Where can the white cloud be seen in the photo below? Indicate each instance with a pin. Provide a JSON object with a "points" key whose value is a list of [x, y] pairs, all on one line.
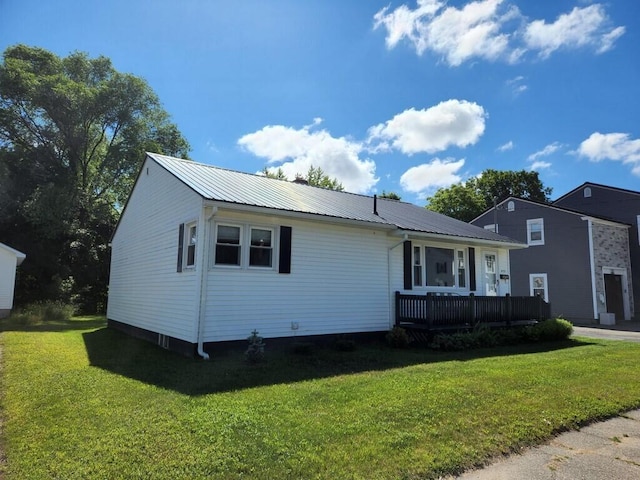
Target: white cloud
{"points": [[506, 147], [452, 123], [517, 86], [493, 30], [579, 28], [301, 148], [545, 152], [612, 146], [539, 165], [435, 174]]}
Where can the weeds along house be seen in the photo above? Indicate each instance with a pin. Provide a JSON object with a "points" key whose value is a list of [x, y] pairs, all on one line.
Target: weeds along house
{"points": [[203, 255]]}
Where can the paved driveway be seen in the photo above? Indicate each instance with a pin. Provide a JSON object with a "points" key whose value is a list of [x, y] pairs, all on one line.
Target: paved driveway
{"points": [[629, 332]]}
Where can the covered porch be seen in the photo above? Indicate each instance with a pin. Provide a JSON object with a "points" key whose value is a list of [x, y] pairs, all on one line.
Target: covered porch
{"points": [[438, 313]]}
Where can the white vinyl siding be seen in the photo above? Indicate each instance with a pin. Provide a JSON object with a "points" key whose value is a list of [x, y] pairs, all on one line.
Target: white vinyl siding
{"points": [[338, 284], [145, 289]]}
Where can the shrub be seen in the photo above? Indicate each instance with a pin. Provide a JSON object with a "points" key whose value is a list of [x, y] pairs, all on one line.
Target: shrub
{"points": [[255, 350], [42, 312], [344, 344], [398, 338], [550, 330]]}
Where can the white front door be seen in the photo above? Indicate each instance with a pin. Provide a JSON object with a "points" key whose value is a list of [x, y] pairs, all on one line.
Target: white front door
{"points": [[490, 273]]}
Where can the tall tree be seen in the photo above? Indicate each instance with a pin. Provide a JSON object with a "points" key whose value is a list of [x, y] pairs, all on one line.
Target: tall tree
{"points": [[315, 176], [467, 200], [73, 132]]}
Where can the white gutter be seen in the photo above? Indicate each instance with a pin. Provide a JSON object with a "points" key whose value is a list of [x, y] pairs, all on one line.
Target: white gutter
{"points": [[593, 267], [206, 214], [469, 241], [406, 237]]}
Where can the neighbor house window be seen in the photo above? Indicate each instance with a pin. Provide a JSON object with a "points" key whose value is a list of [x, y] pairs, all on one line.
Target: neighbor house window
{"points": [[587, 192], [417, 266], [228, 245], [535, 231], [192, 236], [638, 223], [511, 206], [538, 285], [261, 249], [492, 227]]}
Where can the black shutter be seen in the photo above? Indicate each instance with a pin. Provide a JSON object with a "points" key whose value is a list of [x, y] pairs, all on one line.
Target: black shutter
{"points": [[408, 276], [472, 269], [180, 246], [284, 265]]}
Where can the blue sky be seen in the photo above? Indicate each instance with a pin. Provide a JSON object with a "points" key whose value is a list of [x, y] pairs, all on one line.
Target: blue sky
{"points": [[403, 96]]}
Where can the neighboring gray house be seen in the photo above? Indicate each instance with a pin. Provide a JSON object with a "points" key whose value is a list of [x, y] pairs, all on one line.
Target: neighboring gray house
{"points": [[203, 254], [615, 204], [570, 260], [9, 261]]}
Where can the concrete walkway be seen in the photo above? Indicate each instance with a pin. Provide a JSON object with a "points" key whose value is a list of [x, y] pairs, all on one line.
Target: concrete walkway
{"points": [[608, 450]]}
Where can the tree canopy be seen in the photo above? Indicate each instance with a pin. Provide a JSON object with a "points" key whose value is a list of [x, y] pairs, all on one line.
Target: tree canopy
{"points": [[466, 200], [73, 132], [315, 176]]}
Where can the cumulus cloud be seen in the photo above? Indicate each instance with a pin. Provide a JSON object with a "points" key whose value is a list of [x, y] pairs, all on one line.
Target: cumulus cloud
{"points": [[435, 174], [452, 123], [612, 146], [579, 28], [297, 149], [493, 30]]}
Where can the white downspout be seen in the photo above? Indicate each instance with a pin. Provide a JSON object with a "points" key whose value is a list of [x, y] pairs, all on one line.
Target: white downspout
{"points": [[206, 214], [405, 238]]}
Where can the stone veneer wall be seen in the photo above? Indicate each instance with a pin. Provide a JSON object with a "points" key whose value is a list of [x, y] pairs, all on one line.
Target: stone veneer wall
{"points": [[611, 249]]}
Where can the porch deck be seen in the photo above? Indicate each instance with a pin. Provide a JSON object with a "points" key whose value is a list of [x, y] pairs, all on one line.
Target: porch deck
{"points": [[437, 313]]}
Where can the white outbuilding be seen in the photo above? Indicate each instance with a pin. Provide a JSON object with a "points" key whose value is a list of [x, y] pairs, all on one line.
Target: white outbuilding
{"points": [[9, 261]]}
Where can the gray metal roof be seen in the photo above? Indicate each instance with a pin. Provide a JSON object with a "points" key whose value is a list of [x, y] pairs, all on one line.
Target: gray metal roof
{"points": [[223, 185]]}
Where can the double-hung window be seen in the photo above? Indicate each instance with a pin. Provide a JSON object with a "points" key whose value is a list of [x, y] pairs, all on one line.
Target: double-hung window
{"points": [[261, 249], [228, 245], [417, 266], [192, 236], [535, 231]]}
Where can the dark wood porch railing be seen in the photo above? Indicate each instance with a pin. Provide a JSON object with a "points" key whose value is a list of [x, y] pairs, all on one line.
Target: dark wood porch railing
{"points": [[444, 312]]}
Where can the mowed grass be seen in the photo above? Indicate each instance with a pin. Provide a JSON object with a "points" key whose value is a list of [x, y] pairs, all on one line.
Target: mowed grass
{"points": [[80, 401]]}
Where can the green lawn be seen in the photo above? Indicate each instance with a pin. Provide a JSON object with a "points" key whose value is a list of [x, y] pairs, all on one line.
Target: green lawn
{"points": [[83, 402]]}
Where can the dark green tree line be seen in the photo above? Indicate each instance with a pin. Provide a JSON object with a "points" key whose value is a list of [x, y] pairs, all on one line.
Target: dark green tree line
{"points": [[73, 132], [466, 200]]}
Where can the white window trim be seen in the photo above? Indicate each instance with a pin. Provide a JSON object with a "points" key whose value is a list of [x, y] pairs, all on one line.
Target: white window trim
{"points": [[531, 222], [245, 246], [454, 267], [546, 285], [249, 229], [492, 227], [187, 243], [214, 244]]}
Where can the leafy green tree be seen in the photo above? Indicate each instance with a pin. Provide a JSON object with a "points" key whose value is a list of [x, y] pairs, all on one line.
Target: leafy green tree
{"points": [[315, 177], [466, 200], [390, 195], [73, 132]]}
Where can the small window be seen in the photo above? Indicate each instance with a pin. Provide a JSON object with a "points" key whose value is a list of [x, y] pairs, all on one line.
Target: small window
{"points": [[535, 231], [511, 206], [587, 192], [261, 249], [417, 266], [638, 223], [538, 285], [228, 247], [492, 227], [192, 236]]}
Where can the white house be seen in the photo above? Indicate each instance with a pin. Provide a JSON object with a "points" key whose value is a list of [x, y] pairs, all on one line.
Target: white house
{"points": [[9, 261], [203, 254]]}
